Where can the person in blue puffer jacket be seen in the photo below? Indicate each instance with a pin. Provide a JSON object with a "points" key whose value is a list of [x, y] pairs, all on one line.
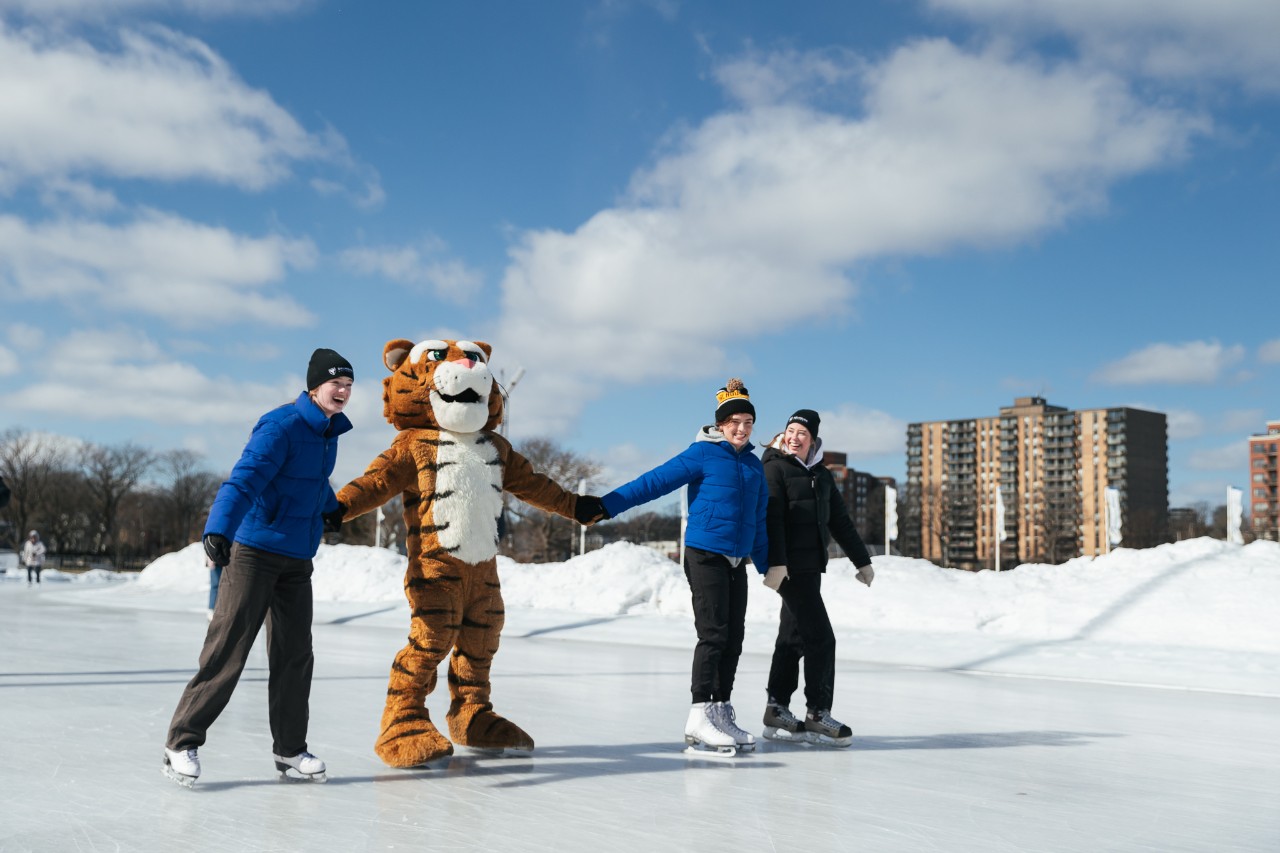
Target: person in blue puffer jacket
{"points": [[728, 505], [274, 507]]}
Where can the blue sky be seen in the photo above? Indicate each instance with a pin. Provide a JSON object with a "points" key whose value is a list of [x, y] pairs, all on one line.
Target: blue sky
{"points": [[886, 211]]}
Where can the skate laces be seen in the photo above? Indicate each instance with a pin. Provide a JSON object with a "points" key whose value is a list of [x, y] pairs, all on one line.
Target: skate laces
{"points": [[725, 717], [782, 714]]}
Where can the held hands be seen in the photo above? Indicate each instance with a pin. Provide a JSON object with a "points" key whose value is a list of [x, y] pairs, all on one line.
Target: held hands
{"points": [[589, 509], [866, 574], [775, 576], [333, 520], [217, 549]]}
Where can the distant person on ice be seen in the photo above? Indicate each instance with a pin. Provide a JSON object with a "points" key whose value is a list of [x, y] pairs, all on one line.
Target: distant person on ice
{"points": [[33, 556], [728, 501], [274, 507], [805, 512]]}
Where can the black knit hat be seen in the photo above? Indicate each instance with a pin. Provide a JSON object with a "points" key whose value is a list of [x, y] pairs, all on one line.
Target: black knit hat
{"points": [[325, 365], [733, 399], [808, 419]]}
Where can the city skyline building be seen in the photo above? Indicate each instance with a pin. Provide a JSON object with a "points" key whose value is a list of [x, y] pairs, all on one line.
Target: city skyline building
{"points": [[1050, 468], [1264, 507]]}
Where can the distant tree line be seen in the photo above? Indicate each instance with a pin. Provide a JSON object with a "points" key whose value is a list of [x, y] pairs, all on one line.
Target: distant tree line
{"points": [[124, 505]]}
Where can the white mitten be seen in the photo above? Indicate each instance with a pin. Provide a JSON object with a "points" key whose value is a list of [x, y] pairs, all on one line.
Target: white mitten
{"points": [[775, 576], [866, 574]]}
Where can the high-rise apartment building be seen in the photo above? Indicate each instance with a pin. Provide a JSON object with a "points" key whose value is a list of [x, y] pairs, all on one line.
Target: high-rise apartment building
{"points": [[1264, 506], [1050, 467]]}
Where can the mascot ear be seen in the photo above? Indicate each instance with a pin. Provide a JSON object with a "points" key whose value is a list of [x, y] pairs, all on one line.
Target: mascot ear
{"points": [[488, 350], [395, 352]]}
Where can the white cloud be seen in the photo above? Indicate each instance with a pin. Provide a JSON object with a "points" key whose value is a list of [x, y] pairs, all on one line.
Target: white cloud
{"points": [[25, 337], [98, 9], [1269, 353], [1171, 39], [862, 433], [161, 107], [108, 375], [1212, 492], [1193, 362], [1241, 421], [157, 265], [748, 222], [421, 265], [8, 361], [1184, 424], [1234, 456]]}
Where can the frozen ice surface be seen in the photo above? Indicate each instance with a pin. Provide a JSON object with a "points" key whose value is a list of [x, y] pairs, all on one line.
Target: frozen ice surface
{"points": [[1058, 747]]}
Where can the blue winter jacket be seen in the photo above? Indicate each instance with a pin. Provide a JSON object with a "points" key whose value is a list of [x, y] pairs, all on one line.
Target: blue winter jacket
{"points": [[728, 496], [276, 494]]}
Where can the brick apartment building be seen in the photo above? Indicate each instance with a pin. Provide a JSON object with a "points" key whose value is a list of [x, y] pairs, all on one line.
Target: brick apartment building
{"points": [[864, 495], [1264, 506], [1052, 466]]}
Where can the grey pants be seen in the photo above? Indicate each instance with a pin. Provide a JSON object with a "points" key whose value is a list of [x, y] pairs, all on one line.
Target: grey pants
{"points": [[257, 586]]}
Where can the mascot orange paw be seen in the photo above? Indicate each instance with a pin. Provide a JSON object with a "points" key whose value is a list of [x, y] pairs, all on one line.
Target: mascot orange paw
{"points": [[411, 742], [479, 727]]}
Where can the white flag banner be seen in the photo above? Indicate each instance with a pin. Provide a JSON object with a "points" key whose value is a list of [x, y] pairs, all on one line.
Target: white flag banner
{"points": [[1235, 513], [1113, 516], [890, 513], [1001, 533]]}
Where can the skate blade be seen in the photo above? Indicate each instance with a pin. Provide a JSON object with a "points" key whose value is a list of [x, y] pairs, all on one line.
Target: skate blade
{"points": [[784, 736], [181, 778], [697, 747], [292, 775], [827, 740]]}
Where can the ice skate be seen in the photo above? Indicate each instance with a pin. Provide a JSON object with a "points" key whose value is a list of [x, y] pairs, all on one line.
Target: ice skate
{"points": [[726, 720], [182, 766], [304, 764], [701, 735], [826, 730], [782, 725]]}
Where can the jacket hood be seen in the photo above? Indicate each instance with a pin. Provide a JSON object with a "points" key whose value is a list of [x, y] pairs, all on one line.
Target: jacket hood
{"points": [[713, 434], [780, 449]]}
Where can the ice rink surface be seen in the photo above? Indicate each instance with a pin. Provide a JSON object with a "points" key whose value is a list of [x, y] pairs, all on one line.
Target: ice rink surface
{"points": [[942, 760]]}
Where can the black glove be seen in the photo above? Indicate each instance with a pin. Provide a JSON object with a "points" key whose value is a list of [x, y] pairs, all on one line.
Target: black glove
{"points": [[217, 549], [333, 520], [590, 509]]}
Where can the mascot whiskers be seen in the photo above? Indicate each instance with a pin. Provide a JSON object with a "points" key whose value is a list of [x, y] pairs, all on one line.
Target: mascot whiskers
{"points": [[451, 469]]}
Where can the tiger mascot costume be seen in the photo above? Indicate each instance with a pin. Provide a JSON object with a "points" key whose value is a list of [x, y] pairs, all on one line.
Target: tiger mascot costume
{"points": [[451, 469]]}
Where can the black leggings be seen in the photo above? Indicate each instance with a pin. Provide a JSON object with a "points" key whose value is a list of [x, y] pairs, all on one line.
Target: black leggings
{"points": [[804, 631], [719, 616]]}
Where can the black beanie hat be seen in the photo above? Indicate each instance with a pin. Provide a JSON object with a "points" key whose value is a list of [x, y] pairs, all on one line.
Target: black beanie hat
{"points": [[808, 419], [325, 365], [733, 399]]}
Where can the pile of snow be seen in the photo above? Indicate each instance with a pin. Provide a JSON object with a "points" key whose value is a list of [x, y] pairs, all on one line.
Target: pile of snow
{"points": [[1199, 593]]}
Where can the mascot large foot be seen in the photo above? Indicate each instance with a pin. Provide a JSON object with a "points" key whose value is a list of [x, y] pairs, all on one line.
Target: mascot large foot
{"points": [[409, 739], [478, 727]]}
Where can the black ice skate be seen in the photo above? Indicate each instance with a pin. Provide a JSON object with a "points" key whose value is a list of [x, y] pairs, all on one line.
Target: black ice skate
{"points": [[782, 725], [824, 729]]}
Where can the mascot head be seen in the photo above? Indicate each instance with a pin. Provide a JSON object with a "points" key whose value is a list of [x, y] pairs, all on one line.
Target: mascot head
{"points": [[440, 384]]}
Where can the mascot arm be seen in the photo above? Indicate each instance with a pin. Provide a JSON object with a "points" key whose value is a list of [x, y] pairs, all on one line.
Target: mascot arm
{"points": [[393, 472], [538, 490]]}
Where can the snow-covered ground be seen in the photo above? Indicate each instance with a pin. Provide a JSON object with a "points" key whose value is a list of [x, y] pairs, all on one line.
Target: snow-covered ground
{"points": [[1135, 709], [1199, 614]]}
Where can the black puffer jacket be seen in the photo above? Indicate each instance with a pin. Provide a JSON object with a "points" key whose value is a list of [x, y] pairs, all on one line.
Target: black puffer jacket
{"points": [[805, 512]]}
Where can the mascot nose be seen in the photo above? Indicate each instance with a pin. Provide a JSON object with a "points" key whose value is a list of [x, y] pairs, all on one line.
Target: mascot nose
{"points": [[465, 362]]}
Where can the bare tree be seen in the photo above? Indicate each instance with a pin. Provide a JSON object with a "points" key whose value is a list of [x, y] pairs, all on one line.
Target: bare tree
{"points": [[111, 474], [27, 463], [185, 497], [534, 535]]}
